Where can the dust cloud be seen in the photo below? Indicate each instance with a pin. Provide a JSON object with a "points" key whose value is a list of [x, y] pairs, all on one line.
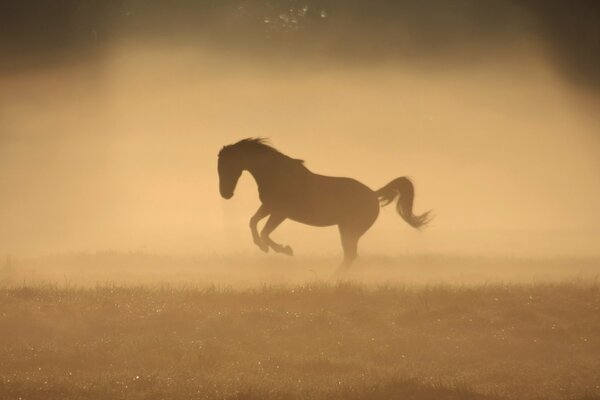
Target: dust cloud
{"points": [[113, 146]]}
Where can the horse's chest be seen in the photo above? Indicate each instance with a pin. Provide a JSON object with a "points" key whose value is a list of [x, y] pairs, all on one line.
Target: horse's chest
{"points": [[272, 195], [280, 197]]}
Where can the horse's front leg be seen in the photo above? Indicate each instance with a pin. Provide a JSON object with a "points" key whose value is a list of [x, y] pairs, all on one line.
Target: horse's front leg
{"points": [[260, 214], [273, 222]]}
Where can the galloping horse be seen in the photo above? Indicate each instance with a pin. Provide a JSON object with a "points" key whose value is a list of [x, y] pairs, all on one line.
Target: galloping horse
{"points": [[287, 189]]}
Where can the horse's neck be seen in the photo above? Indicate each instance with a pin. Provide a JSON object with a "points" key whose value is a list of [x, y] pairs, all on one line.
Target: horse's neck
{"points": [[266, 172], [262, 175]]}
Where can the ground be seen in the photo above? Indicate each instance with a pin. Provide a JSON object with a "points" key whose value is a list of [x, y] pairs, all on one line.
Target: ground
{"points": [[299, 340]]}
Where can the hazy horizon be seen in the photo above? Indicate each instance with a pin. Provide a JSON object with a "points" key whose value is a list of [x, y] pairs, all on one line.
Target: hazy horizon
{"points": [[110, 141]]}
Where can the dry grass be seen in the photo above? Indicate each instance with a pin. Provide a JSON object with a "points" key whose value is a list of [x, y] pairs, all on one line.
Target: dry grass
{"points": [[313, 340]]}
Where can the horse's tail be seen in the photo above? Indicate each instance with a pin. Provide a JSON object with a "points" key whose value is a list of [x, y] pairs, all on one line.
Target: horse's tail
{"points": [[403, 189]]}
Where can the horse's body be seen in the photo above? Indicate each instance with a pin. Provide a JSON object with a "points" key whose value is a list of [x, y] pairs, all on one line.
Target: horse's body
{"points": [[287, 189]]}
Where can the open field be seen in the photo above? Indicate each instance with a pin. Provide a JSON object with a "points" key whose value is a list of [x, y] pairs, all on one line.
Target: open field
{"points": [[487, 339]]}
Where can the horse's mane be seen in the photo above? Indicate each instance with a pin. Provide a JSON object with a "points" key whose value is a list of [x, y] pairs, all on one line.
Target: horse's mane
{"points": [[261, 145]]}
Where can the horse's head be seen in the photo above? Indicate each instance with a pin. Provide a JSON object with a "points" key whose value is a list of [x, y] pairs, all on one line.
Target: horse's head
{"points": [[230, 168], [246, 154]]}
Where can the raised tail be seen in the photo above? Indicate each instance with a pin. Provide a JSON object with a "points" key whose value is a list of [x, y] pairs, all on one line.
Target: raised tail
{"points": [[403, 189]]}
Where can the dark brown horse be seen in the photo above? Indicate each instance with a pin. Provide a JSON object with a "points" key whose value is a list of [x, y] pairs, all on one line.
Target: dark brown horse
{"points": [[287, 189]]}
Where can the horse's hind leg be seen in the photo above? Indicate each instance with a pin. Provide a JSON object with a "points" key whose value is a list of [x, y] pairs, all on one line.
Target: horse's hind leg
{"points": [[273, 222], [353, 227], [260, 214], [349, 238]]}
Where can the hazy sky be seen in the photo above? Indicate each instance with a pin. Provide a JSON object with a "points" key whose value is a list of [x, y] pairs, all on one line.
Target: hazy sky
{"points": [[111, 118]]}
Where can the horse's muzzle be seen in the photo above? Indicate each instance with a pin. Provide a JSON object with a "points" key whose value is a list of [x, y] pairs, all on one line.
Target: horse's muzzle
{"points": [[227, 195]]}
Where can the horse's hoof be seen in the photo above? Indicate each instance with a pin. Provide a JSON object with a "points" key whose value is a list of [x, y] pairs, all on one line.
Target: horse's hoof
{"points": [[287, 250], [263, 246]]}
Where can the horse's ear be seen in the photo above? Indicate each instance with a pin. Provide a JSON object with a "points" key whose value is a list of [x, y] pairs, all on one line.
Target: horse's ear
{"points": [[223, 150], [299, 161]]}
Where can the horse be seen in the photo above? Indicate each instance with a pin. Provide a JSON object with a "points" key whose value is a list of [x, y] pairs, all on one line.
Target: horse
{"points": [[289, 190]]}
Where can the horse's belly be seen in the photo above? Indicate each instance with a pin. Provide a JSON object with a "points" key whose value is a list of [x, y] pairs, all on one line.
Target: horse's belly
{"points": [[314, 220], [327, 214]]}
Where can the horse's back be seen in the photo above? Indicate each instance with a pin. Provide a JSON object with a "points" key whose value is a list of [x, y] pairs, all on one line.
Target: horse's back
{"points": [[325, 200]]}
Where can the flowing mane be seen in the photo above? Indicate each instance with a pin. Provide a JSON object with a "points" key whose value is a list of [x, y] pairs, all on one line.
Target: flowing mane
{"points": [[260, 145]]}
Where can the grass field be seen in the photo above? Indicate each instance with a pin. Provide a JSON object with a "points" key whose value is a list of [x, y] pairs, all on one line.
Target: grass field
{"points": [[489, 339]]}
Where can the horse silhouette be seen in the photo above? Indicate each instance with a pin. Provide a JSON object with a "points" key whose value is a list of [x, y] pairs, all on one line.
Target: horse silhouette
{"points": [[287, 189]]}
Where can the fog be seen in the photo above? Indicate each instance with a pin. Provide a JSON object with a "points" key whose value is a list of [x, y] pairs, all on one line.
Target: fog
{"points": [[113, 146], [125, 274]]}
